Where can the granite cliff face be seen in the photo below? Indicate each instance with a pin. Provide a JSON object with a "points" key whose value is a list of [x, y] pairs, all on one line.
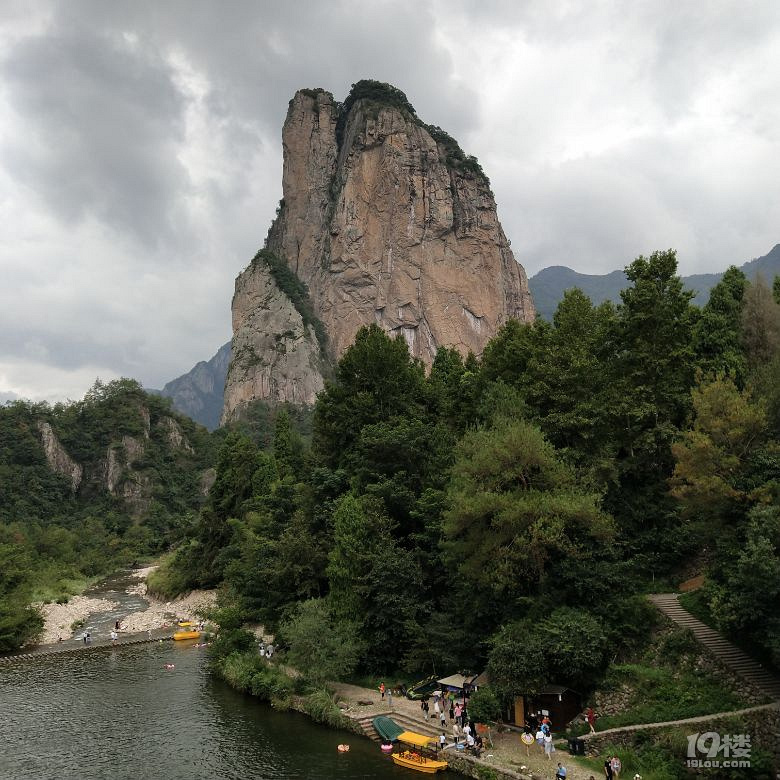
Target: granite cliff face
{"points": [[276, 355], [386, 221]]}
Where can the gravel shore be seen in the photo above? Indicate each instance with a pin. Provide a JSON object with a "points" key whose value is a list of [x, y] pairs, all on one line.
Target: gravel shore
{"points": [[59, 617], [159, 614]]}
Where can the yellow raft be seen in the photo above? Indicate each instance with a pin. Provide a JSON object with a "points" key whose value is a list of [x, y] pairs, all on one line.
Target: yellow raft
{"points": [[187, 635], [416, 759]]}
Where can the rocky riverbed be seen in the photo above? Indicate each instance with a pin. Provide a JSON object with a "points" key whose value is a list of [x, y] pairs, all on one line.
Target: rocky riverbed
{"points": [[100, 608]]}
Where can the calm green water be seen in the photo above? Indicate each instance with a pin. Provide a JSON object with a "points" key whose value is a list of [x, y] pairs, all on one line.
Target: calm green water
{"points": [[118, 714]]}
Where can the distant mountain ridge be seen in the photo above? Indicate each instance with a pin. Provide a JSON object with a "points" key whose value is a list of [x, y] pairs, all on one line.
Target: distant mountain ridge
{"points": [[199, 392], [549, 285]]}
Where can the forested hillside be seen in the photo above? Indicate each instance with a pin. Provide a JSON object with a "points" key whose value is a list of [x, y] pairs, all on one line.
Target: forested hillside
{"points": [[89, 485], [510, 512]]}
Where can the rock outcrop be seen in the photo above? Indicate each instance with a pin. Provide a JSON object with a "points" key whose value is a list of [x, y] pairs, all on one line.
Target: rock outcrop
{"points": [[276, 356], [386, 221], [58, 459], [174, 435]]}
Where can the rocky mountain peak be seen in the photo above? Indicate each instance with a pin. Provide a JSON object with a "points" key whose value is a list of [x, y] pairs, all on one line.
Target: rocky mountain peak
{"points": [[385, 220]]}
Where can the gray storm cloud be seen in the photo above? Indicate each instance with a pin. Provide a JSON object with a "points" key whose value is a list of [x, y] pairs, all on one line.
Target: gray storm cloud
{"points": [[140, 150]]}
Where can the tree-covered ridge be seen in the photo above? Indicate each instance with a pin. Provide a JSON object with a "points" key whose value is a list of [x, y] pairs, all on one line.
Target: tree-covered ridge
{"points": [[52, 530], [510, 512]]}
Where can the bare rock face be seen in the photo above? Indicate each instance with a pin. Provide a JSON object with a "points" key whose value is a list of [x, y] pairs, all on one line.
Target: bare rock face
{"points": [[111, 470], [207, 479], [275, 355], [174, 435], [58, 459], [387, 227], [134, 449], [386, 221]]}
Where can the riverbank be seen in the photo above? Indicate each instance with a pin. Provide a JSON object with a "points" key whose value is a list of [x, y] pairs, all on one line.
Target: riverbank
{"points": [[160, 614], [59, 619], [507, 757]]}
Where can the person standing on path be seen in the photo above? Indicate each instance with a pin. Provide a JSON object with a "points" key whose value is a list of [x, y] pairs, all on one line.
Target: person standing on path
{"points": [[549, 748], [382, 690], [608, 773], [114, 636], [455, 733], [443, 719], [616, 767], [442, 741], [591, 718], [452, 709], [436, 707]]}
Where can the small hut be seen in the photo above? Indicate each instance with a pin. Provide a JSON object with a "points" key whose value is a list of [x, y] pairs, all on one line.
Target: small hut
{"points": [[559, 703]]}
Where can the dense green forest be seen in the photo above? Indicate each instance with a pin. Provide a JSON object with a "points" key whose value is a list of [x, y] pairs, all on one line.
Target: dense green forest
{"points": [[511, 512], [57, 532]]}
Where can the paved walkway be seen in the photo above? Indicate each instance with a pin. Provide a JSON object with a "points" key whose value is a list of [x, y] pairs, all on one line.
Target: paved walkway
{"points": [[727, 653]]}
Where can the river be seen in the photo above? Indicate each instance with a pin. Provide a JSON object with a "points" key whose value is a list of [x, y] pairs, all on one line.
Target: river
{"points": [[116, 713]]}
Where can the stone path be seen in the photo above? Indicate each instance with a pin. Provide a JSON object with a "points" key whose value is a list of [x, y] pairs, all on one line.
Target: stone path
{"points": [[697, 719], [727, 653]]}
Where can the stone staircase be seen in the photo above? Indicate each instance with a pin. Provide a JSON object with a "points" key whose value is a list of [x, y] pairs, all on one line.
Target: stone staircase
{"points": [[727, 653], [405, 721]]}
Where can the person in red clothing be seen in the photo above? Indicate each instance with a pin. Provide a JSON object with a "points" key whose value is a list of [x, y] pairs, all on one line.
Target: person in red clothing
{"points": [[382, 689], [591, 717]]}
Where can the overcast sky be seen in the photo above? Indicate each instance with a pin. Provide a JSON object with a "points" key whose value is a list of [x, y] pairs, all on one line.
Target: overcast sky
{"points": [[140, 151]]}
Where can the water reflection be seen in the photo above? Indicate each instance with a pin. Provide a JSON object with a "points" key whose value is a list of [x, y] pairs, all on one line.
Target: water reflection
{"points": [[118, 713]]}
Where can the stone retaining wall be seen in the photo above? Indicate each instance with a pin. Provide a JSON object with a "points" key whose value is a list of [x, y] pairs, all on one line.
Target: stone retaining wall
{"points": [[763, 725], [472, 767]]}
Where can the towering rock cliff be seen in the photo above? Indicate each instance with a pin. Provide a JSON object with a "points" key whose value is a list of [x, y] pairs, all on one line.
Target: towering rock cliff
{"points": [[385, 220]]}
